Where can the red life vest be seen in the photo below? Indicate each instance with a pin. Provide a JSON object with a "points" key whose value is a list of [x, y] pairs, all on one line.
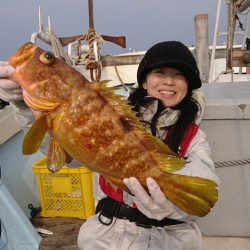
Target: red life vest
{"points": [[190, 133], [117, 195]]}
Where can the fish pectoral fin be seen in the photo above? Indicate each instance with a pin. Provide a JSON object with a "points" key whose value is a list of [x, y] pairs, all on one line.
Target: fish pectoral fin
{"points": [[56, 121], [56, 156], [35, 135]]}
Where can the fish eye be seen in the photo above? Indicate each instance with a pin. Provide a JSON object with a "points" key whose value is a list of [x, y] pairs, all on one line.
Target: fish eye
{"points": [[47, 57]]}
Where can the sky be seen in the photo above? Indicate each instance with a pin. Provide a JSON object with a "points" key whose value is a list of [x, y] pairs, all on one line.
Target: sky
{"points": [[142, 22]]}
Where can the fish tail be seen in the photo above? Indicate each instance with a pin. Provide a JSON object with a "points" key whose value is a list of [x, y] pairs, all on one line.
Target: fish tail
{"points": [[194, 195]]}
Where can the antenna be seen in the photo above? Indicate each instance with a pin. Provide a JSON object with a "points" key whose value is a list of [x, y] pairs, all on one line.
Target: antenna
{"points": [[40, 20], [49, 23]]}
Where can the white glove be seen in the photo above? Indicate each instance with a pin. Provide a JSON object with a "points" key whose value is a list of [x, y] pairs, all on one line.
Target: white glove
{"points": [[156, 206], [9, 90]]}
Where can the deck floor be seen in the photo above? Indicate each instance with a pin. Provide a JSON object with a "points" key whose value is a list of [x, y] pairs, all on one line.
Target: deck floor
{"points": [[65, 231]]}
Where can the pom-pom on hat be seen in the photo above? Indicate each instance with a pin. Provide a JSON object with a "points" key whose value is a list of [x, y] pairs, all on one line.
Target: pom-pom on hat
{"points": [[170, 54]]}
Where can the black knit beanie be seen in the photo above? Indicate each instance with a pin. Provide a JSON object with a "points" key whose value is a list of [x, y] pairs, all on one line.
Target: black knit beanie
{"points": [[170, 54]]}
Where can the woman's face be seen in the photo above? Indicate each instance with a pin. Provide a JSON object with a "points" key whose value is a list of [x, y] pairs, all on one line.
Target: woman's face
{"points": [[166, 84]]}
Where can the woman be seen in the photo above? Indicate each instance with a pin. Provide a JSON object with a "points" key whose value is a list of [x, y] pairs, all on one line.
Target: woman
{"points": [[170, 108]]}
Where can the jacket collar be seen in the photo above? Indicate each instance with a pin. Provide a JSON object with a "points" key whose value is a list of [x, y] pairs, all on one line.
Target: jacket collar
{"points": [[167, 116]]}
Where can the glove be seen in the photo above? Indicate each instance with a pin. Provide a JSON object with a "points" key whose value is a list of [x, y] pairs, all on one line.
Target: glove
{"points": [[156, 205], [10, 91]]}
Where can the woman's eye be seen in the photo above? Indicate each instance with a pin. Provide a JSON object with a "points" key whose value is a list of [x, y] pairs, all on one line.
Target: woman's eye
{"points": [[179, 73], [180, 76], [47, 57]]}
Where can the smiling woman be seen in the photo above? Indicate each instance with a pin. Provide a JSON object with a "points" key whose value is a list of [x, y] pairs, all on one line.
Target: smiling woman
{"points": [[169, 73]]}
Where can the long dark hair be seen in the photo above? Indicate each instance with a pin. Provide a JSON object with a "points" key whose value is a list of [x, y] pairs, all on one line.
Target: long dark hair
{"points": [[188, 107]]}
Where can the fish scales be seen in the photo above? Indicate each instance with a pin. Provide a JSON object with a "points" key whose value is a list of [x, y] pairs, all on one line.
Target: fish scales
{"points": [[105, 140], [90, 123]]}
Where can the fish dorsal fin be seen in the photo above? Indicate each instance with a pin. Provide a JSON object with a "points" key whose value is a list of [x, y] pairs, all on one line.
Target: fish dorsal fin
{"points": [[169, 160], [56, 156], [117, 101], [35, 135]]}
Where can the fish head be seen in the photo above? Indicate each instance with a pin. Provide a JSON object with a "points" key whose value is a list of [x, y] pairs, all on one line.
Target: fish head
{"points": [[46, 80]]}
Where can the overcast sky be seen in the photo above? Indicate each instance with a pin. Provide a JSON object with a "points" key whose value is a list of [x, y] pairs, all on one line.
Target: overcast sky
{"points": [[143, 22]]}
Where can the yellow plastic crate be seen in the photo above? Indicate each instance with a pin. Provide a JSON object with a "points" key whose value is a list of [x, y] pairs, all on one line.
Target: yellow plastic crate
{"points": [[66, 193]]}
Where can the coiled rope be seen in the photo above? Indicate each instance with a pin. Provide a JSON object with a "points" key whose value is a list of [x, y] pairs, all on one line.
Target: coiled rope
{"points": [[94, 58]]}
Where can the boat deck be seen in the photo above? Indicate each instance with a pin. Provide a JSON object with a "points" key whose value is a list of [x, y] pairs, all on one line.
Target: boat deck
{"points": [[65, 231]]}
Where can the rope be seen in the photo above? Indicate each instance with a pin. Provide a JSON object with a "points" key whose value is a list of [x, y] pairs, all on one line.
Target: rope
{"points": [[94, 61], [223, 73], [231, 163], [117, 73], [242, 5]]}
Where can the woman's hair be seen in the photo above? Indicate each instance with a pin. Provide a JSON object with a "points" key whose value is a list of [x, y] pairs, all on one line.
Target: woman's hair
{"points": [[188, 107]]}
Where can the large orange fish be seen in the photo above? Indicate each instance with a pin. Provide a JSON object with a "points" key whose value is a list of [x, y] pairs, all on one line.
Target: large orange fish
{"points": [[90, 123]]}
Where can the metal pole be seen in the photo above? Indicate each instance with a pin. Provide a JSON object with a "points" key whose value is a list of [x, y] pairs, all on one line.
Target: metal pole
{"points": [[201, 45], [230, 35], [91, 16], [214, 41], [245, 31]]}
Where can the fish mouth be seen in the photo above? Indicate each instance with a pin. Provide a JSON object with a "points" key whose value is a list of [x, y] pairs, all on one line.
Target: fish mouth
{"points": [[23, 54]]}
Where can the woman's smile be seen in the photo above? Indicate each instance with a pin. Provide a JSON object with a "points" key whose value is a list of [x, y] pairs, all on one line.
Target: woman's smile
{"points": [[167, 92]]}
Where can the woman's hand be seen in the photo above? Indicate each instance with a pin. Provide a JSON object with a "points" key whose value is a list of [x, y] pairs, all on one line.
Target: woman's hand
{"points": [[10, 91], [155, 205]]}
